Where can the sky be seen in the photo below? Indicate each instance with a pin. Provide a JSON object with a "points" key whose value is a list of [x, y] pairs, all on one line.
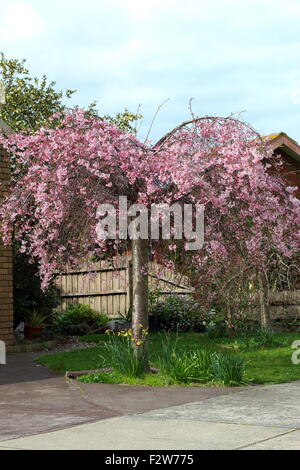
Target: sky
{"points": [[228, 56]]}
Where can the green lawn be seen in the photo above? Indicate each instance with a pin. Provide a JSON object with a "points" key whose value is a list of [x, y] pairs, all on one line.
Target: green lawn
{"points": [[264, 365]]}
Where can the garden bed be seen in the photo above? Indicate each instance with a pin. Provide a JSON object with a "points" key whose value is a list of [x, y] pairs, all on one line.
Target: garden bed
{"points": [[263, 364]]}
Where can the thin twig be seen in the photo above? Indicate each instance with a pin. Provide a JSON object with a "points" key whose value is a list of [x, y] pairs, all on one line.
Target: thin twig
{"points": [[154, 117]]}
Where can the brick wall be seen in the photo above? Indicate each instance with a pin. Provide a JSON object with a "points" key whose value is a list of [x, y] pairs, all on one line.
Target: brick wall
{"points": [[6, 272]]}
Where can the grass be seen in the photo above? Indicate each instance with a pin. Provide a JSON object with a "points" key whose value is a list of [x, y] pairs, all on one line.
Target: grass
{"points": [[263, 364]]}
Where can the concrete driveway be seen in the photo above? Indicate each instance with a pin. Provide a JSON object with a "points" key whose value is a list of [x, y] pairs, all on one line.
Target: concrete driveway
{"points": [[41, 410]]}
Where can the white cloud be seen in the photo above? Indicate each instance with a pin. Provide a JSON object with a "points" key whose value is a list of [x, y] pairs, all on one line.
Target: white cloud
{"points": [[19, 20]]}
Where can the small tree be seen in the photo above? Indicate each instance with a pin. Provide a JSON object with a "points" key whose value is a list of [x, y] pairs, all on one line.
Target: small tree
{"points": [[84, 162]]}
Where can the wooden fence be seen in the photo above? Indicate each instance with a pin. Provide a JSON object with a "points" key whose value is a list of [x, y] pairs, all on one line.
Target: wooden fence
{"points": [[108, 289]]}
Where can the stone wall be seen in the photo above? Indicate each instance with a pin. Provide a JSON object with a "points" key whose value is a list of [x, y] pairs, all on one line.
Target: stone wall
{"points": [[6, 270]]}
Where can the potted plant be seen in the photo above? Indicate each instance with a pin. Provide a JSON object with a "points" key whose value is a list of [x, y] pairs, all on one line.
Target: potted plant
{"points": [[34, 324]]}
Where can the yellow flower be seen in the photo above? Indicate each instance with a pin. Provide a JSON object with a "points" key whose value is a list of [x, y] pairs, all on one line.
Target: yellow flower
{"points": [[138, 343]]}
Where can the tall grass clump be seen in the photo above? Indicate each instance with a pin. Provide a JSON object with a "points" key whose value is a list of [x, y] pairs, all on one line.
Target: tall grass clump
{"points": [[174, 364], [258, 337], [121, 356], [182, 366], [227, 369]]}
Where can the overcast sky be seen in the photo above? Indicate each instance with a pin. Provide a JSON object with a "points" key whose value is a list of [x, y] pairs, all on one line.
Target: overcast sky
{"points": [[230, 56]]}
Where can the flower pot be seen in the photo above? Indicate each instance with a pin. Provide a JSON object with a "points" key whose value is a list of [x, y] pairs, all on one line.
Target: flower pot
{"points": [[32, 331]]}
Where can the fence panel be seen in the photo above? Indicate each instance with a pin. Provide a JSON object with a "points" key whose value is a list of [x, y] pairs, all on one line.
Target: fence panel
{"points": [[108, 291]]}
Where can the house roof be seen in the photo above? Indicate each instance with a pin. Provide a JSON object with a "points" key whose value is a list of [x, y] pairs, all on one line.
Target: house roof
{"points": [[282, 141]]}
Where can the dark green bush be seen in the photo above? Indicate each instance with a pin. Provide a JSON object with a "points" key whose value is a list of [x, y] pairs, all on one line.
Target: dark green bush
{"points": [[178, 313], [216, 330], [81, 316]]}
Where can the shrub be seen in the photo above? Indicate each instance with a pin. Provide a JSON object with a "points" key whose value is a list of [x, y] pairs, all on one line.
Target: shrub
{"points": [[216, 330], [228, 369], [215, 325], [36, 319], [178, 313], [81, 316]]}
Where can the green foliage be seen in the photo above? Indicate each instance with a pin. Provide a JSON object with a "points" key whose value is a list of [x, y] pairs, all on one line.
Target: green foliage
{"points": [[29, 101], [228, 369], [216, 330], [101, 377], [122, 356], [126, 121], [177, 365], [257, 337], [215, 325], [127, 317], [36, 319], [178, 313], [203, 366], [77, 315]]}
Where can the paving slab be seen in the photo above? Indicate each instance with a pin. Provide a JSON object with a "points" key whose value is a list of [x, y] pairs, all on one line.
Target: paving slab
{"points": [[128, 433], [274, 405], [34, 399], [289, 441], [129, 399]]}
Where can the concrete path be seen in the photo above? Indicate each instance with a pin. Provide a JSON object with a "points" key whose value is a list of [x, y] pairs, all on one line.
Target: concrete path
{"points": [[35, 400], [40, 410]]}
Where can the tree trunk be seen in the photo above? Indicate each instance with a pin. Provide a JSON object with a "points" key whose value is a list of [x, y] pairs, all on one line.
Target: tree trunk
{"points": [[230, 328], [140, 320], [263, 305]]}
